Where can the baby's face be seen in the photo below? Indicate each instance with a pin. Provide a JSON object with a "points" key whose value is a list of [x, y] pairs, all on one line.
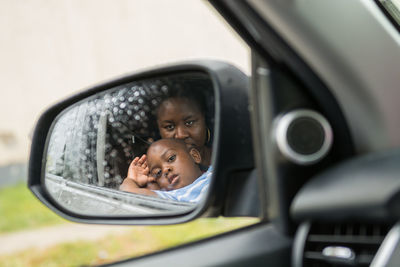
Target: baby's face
{"points": [[171, 164]]}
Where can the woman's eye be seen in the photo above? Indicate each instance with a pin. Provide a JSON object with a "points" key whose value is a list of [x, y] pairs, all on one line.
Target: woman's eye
{"points": [[172, 158], [189, 123], [169, 127]]}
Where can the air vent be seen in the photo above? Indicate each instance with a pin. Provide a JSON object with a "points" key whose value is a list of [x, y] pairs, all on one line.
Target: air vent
{"points": [[341, 244]]}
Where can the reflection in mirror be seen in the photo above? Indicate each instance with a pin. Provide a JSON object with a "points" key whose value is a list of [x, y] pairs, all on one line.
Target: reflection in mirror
{"points": [[141, 148]]}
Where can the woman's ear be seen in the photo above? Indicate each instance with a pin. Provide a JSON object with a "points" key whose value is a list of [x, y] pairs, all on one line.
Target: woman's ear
{"points": [[195, 155]]}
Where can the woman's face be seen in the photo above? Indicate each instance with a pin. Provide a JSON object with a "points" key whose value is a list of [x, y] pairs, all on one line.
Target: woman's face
{"points": [[181, 118]]}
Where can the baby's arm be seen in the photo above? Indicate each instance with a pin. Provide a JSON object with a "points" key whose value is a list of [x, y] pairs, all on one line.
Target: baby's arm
{"points": [[129, 185]]}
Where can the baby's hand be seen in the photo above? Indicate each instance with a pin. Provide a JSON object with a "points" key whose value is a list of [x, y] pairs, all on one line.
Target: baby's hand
{"points": [[139, 171]]}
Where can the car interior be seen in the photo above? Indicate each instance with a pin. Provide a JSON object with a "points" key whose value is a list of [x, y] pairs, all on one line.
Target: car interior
{"points": [[309, 143]]}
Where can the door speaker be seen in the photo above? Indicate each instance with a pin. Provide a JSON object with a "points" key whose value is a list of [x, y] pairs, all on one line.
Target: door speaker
{"points": [[303, 136]]}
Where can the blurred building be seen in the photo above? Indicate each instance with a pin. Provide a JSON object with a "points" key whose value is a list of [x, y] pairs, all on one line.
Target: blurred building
{"points": [[52, 49]]}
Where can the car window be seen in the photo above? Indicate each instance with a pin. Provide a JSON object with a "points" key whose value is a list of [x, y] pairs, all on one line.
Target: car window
{"points": [[55, 49]]}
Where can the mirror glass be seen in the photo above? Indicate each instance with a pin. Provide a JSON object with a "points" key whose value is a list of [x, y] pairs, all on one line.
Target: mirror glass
{"points": [[141, 148]]}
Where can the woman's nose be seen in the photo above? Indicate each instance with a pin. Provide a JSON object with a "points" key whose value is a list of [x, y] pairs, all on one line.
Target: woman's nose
{"points": [[181, 133]]}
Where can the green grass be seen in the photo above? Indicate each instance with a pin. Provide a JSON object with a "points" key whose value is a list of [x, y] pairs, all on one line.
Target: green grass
{"points": [[139, 241], [21, 210]]}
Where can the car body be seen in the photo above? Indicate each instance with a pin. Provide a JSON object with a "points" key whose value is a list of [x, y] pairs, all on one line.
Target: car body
{"points": [[323, 63]]}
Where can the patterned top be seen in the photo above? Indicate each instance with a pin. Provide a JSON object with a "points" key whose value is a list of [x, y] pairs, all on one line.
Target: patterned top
{"points": [[190, 193]]}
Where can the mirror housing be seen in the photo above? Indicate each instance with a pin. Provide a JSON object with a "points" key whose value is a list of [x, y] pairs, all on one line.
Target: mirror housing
{"points": [[232, 147]]}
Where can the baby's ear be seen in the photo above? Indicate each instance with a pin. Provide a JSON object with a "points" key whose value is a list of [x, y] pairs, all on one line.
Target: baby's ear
{"points": [[195, 155]]}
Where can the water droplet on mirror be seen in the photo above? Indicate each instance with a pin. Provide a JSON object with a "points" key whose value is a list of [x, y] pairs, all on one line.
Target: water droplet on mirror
{"points": [[130, 99], [137, 117], [140, 100], [136, 93]]}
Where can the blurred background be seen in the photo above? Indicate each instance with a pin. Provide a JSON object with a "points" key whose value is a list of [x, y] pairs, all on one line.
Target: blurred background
{"points": [[53, 49]]}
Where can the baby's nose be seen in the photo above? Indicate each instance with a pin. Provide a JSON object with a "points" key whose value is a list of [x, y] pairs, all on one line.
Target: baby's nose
{"points": [[167, 170]]}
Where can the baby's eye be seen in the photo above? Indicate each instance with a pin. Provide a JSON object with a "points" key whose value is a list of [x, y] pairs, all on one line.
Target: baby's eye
{"points": [[172, 158], [157, 174]]}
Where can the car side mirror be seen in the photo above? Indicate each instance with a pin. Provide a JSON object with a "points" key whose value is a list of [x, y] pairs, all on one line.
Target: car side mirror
{"points": [[83, 146]]}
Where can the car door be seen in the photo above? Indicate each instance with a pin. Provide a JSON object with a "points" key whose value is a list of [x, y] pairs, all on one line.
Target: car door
{"points": [[317, 55], [322, 111], [303, 59], [325, 57]]}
